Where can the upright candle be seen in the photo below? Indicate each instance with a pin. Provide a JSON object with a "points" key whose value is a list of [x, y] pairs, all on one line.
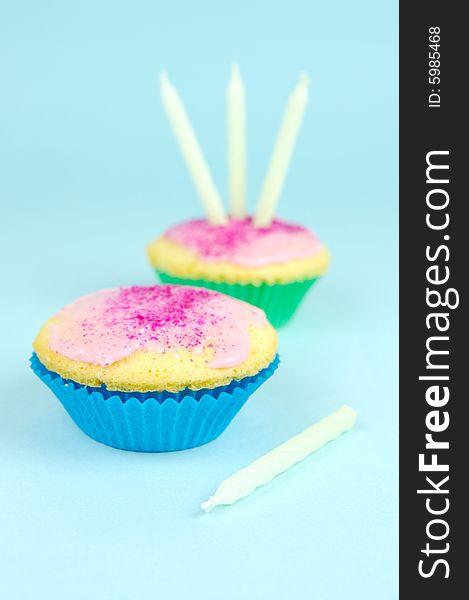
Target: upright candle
{"points": [[236, 145], [278, 460], [192, 153], [282, 154]]}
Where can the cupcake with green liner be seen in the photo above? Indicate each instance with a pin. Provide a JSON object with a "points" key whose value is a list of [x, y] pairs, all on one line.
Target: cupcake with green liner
{"points": [[155, 368], [272, 267], [261, 259]]}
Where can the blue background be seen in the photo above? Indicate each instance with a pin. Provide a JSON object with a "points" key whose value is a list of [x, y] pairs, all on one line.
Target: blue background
{"points": [[90, 173]]}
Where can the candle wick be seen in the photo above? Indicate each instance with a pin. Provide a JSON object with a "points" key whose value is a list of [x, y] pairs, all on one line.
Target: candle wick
{"points": [[208, 505], [304, 78], [235, 70], [164, 77]]}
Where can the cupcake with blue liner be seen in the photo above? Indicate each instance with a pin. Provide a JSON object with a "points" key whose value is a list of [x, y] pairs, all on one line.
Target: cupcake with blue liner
{"points": [[155, 368]]}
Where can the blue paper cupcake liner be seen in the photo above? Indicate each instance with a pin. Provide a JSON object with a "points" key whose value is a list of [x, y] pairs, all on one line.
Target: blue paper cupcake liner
{"points": [[153, 421]]}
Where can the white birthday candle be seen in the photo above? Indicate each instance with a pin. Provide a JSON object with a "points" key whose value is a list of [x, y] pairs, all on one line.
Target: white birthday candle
{"points": [[281, 156], [191, 152], [261, 471], [236, 144]]}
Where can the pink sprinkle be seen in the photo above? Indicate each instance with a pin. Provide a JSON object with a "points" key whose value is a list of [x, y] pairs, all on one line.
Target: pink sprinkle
{"points": [[109, 325], [239, 242]]}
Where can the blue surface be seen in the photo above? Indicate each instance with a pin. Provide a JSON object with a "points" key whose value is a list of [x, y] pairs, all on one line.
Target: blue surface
{"points": [[90, 173]]}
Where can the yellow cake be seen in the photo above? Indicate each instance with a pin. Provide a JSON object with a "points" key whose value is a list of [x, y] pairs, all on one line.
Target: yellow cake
{"points": [[175, 365], [168, 256]]}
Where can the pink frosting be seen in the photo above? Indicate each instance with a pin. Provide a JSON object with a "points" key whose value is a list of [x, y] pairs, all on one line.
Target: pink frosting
{"points": [[240, 243], [109, 325]]}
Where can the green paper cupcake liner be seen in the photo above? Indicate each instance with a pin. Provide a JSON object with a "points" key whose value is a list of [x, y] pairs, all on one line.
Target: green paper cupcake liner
{"points": [[279, 301]]}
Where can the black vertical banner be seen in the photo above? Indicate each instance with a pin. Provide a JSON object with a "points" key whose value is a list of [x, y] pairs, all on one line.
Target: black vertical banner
{"points": [[434, 255]]}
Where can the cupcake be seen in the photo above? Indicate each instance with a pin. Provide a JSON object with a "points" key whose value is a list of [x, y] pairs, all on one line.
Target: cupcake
{"points": [[260, 259], [155, 368], [272, 267]]}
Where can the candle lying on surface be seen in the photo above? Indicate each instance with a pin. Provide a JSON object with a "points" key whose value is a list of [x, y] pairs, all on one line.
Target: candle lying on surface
{"points": [[281, 156], [261, 471], [192, 153], [236, 145]]}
